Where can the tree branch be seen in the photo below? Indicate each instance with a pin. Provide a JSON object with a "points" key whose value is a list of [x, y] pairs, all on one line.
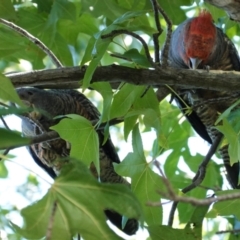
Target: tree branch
{"points": [[166, 47], [170, 194], [158, 33], [69, 77], [52, 135], [200, 175], [138, 37], [196, 201], [232, 231], [33, 39]]}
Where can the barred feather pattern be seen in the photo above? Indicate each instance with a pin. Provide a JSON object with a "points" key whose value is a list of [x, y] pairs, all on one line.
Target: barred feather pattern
{"points": [[206, 105], [47, 105], [51, 155]]}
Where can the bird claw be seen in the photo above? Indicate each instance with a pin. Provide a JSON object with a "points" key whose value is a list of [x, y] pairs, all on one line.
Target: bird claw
{"points": [[207, 67]]}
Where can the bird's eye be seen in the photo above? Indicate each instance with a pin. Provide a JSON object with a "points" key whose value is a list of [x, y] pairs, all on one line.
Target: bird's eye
{"points": [[29, 93]]}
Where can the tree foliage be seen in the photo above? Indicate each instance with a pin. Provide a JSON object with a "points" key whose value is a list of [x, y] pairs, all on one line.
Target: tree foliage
{"points": [[100, 33]]}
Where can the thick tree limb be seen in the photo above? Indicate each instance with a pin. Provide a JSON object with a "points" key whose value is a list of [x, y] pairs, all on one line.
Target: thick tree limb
{"points": [[184, 78]]}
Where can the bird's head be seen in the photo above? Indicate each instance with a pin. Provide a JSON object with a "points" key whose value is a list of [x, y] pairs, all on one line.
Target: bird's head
{"points": [[199, 40]]}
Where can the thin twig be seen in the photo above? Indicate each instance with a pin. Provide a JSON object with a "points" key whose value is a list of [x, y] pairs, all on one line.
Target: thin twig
{"points": [[121, 57], [4, 105], [202, 168], [159, 32], [47, 136], [170, 190], [33, 39], [199, 176], [196, 201], [209, 188], [170, 194], [6, 152], [51, 220], [233, 231], [4, 123], [168, 38], [52, 135], [124, 31], [29, 170]]}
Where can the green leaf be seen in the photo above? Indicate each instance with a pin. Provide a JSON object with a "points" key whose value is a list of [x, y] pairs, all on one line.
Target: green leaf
{"points": [[158, 232], [3, 169], [137, 4], [31, 20], [7, 10], [137, 143], [213, 178], [225, 208], [167, 136], [11, 138], [81, 201], [148, 101], [133, 55], [110, 8], [10, 42], [88, 51], [82, 136], [148, 106], [101, 45], [87, 24], [186, 211], [99, 49], [129, 123], [44, 6], [194, 225], [233, 140], [145, 182], [61, 49], [174, 10], [7, 91], [128, 16], [226, 113], [62, 9], [234, 120], [104, 88], [124, 99], [12, 110]]}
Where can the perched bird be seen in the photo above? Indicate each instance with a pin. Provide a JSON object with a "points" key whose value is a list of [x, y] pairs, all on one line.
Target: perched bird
{"points": [[198, 44], [48, 104]]}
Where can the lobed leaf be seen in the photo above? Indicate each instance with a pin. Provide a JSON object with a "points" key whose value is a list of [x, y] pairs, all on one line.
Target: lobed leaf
{"points": [[81, 201]]}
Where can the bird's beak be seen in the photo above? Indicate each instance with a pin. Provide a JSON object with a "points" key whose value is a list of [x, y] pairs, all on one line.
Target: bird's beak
{"points": [[194, 62]]}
